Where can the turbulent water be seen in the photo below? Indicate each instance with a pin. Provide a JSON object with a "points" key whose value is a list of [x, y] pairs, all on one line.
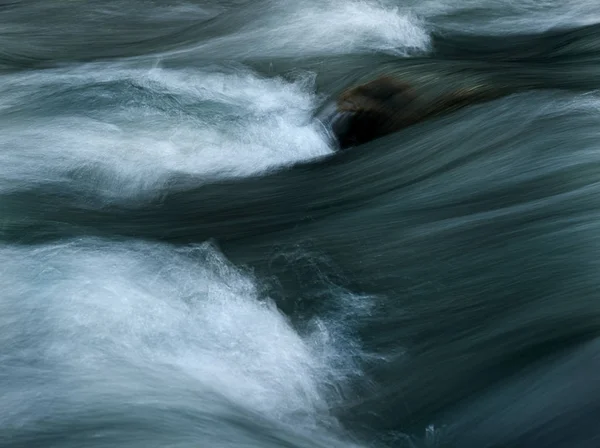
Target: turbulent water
{"points": [[186, 261]]}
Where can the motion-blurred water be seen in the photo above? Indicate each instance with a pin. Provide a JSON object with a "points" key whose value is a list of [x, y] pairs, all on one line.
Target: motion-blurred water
{"points": [[186, 261]]}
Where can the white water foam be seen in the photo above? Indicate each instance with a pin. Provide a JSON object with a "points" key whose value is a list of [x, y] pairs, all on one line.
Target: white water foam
{"points": [[211, 123], [319, 28], [123, 129], [145, 322]]}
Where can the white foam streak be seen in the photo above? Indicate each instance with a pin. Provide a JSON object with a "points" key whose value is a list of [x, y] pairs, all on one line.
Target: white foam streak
{"points": [[209, 123], [146, 320], [324, 28]]}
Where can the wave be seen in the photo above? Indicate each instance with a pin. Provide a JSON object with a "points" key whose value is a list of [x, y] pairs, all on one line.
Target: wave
{"points": [[187, 260]]}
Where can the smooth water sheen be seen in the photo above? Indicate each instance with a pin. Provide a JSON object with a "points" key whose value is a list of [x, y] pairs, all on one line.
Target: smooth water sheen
{"points": [[187, 262]]}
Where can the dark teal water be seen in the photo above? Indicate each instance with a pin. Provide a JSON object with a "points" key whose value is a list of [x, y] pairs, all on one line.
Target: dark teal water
{"points": [[186, 261]]}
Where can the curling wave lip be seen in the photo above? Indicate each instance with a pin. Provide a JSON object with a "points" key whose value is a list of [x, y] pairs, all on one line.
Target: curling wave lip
{"points": [[335, 122], [347, 128]]}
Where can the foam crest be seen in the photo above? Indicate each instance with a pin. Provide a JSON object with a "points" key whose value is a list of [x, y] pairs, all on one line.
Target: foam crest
{"points": [[129, 128], [294, 29], [144, 320]]}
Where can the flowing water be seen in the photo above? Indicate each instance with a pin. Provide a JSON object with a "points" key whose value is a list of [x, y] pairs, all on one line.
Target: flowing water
{"points": [[186, 261]]}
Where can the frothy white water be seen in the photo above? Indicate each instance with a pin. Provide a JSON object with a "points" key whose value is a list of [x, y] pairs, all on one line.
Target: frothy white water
{"points": [[319, 27], [120, 129], [130, 127], [142, 323]]}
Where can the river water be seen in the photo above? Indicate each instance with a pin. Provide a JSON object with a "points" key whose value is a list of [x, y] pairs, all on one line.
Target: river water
{"points": [[186, 261]]}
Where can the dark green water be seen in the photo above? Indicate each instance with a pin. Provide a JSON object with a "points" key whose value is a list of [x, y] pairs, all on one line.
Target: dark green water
{"points": [[187, 262]]}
